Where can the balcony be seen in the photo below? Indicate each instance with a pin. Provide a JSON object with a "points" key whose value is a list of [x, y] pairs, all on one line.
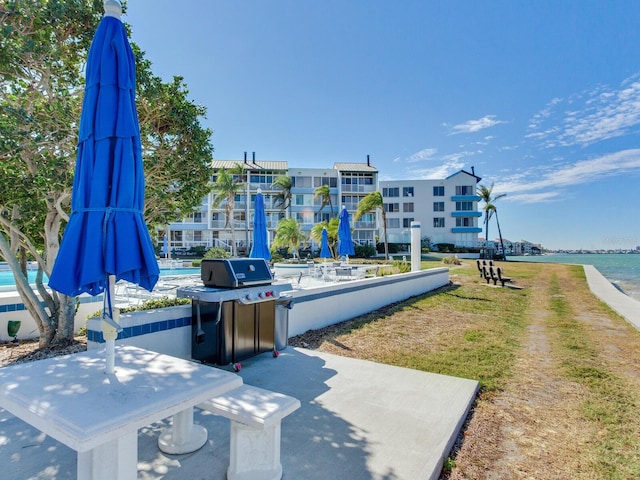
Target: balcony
{"points": [[466, 230], [465, 213], [358, 188], [466, 198], [364, 225]]}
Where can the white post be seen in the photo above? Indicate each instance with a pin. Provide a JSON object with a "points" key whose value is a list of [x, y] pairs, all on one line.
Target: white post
{"points": [[416, 247], [112, 8], [110, 331]]}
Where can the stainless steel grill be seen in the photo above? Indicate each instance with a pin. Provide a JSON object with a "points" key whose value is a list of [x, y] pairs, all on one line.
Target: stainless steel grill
{"points": [[238, 312]]}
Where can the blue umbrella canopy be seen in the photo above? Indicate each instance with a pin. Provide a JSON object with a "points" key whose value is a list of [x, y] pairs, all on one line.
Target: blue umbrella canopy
{"points": [[260, 247], [325, 252], [106, 234], [345, 243]]}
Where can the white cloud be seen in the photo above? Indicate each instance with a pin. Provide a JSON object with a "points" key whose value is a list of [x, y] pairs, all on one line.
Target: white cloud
{"points": [[449, 164], [473, 126], [594, 116], [564, 175], [533, 197], [424, 154]]}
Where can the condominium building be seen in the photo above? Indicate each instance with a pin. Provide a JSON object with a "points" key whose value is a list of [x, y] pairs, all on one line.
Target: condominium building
{"points": [[447, 208]]}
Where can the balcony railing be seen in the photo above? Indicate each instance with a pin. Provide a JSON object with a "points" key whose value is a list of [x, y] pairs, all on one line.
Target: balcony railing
{"points": [[358, 188], [364, 225]]}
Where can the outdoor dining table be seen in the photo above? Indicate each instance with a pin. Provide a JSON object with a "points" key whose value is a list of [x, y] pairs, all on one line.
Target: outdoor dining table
{"points": [[73, 400]]}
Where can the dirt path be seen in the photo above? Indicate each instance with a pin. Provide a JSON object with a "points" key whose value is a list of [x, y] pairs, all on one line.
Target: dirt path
{"points": [[535, 428], [523, 432]]}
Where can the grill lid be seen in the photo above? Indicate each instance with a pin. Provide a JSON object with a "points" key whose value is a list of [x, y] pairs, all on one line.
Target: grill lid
{"points": [[235, 272]]}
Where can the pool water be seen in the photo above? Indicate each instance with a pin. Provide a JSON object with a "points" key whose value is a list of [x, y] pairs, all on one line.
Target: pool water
{"points": [[6, 277]]}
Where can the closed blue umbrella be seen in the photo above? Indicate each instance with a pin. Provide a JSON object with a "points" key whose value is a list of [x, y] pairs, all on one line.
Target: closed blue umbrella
{"points": [[345, 243], [107, 235], [325, 252], [260, 247]]}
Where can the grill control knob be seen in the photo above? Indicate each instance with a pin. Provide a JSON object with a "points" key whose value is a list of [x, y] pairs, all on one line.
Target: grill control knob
{"points": [[248, 297], [261, 295]]}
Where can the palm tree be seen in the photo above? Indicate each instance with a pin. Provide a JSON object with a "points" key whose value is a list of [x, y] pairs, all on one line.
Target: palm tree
{"points": [[288, 234], [241, 177], [489, 209], [332, 233], [324, 192], [504, 253], [226, 188], [368, 204], [283, 199]]}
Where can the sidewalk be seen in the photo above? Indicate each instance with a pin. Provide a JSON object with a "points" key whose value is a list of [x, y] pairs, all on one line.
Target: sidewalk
{"points": [[623, 304]]}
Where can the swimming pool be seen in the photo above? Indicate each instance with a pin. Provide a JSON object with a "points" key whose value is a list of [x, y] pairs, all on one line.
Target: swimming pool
{"points": [[6, 277]]}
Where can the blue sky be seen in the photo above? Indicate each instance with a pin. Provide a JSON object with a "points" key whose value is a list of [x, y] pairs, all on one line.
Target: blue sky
{"points": [[542, 98]]}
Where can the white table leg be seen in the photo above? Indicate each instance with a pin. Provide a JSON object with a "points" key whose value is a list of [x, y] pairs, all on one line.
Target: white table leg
{"points": [[115, 459], [183, 436]]}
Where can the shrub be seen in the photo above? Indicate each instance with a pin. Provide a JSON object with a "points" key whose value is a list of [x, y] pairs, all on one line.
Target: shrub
{"points": [[445, 247], [217, 252], [364, 251], [403, 267], [152, 304], [452, 260]]}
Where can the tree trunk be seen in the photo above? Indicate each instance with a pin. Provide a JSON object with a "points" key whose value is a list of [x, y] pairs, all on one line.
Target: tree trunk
{"points": [[486, 229], [384, 230], [504, 253], [27, 295]]}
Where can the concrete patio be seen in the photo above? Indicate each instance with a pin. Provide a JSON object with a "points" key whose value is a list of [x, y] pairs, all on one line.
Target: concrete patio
{"points": [[358, 420]]}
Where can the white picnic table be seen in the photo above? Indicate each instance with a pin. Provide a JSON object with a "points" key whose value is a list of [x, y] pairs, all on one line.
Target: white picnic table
{"points": [[73, 400]]}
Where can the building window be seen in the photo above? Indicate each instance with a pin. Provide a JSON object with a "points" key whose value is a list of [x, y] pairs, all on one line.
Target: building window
{"points": [[407, 207], [391, 192], [464, 206], [464, 222], [392, 207], [300, 200], [261, 179], [406, 222], [438, 222], [197, 236], [301, 182], [438, 206], [322, 217], [303, 217], [464, 190], [195, 217], [393, 223], [438, 191], [407, 191], [320, 181]]}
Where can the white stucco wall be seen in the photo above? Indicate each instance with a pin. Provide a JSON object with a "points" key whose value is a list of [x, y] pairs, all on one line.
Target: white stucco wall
{"points": [[319, 307]]}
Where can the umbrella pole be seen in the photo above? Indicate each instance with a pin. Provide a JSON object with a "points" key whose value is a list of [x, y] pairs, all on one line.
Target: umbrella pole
{"points": [[110, 332]]}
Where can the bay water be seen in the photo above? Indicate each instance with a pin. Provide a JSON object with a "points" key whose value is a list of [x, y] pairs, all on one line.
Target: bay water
{"points": [[623, 270]]}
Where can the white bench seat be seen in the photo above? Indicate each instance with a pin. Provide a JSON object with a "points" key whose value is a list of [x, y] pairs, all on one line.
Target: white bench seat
{"points": [[255, 415]]}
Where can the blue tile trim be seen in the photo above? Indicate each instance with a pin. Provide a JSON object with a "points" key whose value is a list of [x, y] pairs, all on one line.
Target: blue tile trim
{"points": [[19, 307], [129, 332]]}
